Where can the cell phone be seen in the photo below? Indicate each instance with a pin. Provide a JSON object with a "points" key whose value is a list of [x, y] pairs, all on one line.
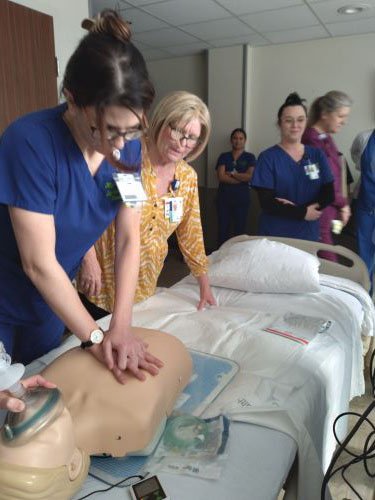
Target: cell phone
{"points": [[148, 489]]}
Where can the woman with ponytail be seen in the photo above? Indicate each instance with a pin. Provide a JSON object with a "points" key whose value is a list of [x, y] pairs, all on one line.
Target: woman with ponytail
{"points": [[293, 181], [57, 197]]}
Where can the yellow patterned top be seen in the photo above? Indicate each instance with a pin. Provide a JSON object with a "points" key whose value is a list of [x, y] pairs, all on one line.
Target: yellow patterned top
{"points": [[155, 231]]}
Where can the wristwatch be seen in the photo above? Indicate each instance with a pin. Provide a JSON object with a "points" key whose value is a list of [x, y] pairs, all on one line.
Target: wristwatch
{"points": [[96, 337]]}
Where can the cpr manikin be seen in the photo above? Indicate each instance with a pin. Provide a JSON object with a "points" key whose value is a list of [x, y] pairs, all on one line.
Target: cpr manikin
{"points": [[101, 417]]}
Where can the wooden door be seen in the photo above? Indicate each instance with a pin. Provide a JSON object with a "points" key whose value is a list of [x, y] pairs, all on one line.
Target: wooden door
{"points": [[27, 62]]}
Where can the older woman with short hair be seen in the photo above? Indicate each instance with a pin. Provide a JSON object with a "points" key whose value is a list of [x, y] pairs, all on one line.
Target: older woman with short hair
{"points": [[179, 130], [327, 115]]}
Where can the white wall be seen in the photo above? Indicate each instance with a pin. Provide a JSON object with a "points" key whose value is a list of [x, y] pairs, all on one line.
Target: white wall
{"points": [[225, 101], [67, 16], [312, 68], [182, 73]]}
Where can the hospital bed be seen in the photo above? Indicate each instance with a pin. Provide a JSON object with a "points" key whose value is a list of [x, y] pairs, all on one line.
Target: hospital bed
{"points": [[284, 399]]}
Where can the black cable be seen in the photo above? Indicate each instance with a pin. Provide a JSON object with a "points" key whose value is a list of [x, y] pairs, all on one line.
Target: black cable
{"points": [[372, 372], [343, 446], [347, 482], [139, 476]]}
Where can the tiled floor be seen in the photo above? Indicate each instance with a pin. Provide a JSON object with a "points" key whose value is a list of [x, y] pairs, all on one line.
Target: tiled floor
{"points": [[174, 270]]}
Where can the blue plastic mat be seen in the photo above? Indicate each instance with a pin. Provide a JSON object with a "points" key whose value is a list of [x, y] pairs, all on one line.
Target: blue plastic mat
{"points": [[211, 374]]}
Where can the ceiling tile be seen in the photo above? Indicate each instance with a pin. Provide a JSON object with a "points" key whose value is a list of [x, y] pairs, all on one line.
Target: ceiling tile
{"points": [[164, 37], [297, 35], [327, 11], [221, 28], [191, 48], [353, 28], [97, 5], [152, 54], [248, 7], [220, 23], [141, 21], [180, 12], [282, 19], [140, 45], [254, 40], [141, 3]]}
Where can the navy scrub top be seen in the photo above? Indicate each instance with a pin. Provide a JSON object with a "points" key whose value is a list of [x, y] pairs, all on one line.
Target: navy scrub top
{"points": [[243, 162], [366, 196], [43, 170], [277, 170]]}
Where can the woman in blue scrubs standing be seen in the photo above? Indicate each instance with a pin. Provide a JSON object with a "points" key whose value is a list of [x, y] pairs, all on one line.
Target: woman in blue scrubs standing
{"points": [[363, 155], [56, 198], [294, 182], [234, 170]]}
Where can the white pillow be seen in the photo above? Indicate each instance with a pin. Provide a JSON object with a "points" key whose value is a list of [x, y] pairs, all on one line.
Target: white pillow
{"points": [[264, 266]]}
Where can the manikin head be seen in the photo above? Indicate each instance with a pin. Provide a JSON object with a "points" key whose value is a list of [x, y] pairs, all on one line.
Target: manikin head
{"points": [[48, 467]]}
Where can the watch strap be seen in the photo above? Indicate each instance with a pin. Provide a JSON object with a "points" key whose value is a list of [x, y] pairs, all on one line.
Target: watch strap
{"points": [[88, 343]]}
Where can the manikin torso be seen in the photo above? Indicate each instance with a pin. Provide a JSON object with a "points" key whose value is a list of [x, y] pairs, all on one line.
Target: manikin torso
{"points": [[101, 416]]}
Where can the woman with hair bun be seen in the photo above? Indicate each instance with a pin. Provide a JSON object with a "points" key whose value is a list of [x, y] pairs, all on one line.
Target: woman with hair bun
{"points": [[56, 186], [293, 181], [327, 115]]}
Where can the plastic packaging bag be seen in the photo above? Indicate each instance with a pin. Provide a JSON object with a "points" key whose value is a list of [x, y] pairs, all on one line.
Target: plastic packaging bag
{"points": [[193, 446]]}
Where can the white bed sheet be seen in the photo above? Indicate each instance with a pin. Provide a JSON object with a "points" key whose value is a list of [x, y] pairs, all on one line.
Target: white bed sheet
{"points": [[296, 389]]}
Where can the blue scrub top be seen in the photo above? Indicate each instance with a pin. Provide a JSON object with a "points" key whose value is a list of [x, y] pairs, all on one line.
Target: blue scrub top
{"points": [[43, 170], [366, 196], [277, 170], [243, 162]]}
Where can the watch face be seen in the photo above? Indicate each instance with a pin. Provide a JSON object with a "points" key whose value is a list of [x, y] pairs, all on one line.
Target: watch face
{"points": [[96, 336]]}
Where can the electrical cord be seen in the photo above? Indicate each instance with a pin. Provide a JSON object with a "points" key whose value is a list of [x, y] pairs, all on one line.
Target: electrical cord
{"points": [[369, 445], [372, 372], [138, 476]]}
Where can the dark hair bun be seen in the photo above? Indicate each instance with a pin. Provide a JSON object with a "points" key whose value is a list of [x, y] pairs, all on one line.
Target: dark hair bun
{"points": [[109, 22], [294, 99]]}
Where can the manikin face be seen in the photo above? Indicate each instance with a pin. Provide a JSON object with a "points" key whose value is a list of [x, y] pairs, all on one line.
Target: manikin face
{"points": [[334, 121], [120, 125], [292, 124], [179, 140], [238, 141]]}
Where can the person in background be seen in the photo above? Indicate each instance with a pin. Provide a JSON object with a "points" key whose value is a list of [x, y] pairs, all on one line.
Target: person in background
{"points": [[327, 115], [293, 181], [363, 155], [234, 171], [178, 132], [55, 166]]}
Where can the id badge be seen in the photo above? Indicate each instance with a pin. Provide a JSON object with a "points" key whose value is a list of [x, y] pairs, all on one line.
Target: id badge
{"points": [[173, 209], [130, 187], [312, 170]]}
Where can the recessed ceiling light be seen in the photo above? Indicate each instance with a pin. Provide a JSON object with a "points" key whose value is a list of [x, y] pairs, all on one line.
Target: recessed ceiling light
{"points": [[353, 9]]}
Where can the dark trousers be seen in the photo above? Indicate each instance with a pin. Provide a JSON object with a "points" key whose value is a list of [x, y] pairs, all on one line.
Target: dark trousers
{"points": [[232, 211]]}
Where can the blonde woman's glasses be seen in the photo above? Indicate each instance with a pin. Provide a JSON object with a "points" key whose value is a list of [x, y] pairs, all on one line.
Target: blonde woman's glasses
{"points": [[178, 135]]}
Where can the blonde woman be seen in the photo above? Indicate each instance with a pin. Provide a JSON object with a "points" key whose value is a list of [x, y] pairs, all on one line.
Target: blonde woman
{"points": [[179, 130]]}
